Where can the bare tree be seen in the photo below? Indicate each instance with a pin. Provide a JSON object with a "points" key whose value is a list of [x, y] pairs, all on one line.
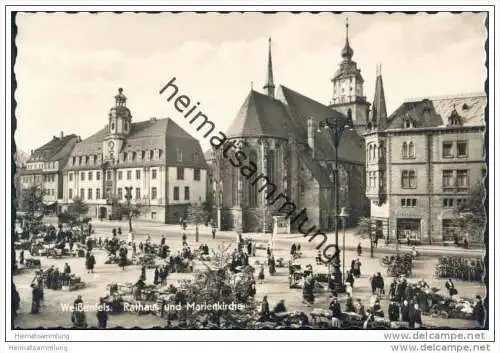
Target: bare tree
{"points": [[32, 200]]}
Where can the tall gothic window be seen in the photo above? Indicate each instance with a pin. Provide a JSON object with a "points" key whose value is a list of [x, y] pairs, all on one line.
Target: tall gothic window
{"points": [[271, 167], [234, 184], [404, 150], [252, 188]]}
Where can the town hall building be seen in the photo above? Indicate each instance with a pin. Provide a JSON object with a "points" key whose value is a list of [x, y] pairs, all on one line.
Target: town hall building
{"points": [[154, 163]]}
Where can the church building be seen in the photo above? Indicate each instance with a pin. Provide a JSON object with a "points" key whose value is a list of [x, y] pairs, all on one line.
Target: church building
{"points": [[154, 163], [279, 131]]}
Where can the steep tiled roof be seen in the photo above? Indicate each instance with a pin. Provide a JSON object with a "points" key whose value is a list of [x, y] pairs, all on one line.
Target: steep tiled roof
{"points": [[54, 150], [318, 172], [259, 115], [148, 135], [300, 108], [435, 111]]}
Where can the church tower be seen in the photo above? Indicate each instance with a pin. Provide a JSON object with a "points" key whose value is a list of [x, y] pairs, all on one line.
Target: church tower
{"points": [[119, 126], [348, 96], [269, 87]]}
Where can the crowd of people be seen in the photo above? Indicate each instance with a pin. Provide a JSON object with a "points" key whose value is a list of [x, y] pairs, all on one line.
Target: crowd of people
{"points": [[406, 301], [460, 268]]}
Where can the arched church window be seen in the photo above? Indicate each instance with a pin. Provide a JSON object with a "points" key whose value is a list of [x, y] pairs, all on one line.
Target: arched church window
{"points": [[370, 148], [404, 150], [252, 188], [112, 126]]}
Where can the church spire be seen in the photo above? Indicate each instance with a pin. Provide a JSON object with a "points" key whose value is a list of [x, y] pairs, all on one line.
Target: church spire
{"points": [[269, 87], [347, 52], [379, 110]]}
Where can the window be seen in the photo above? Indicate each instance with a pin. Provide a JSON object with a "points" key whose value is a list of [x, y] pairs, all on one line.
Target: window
{"points": [[408, 124], [462, 149], [408, 179], [411, 150], [176, 193], [153, 174], [137, 193], [70, 176], [143, 155], [462, 178], [70, 194], [186, 193], [138, 174], [90, 175], [153, 193], [108, 175], [129, 175], [120, 193], [408, 202], [151, 154], [197, 174], [97, 193], [448, 203], [82, 194], [196, 156], [404, 150], [89, 194], [180, 173], [179, 155], [134, 156], [447, 149], [82, 176], [125, 155], [447, 178], [120, 175], [97, 175], [126, 126], [153, 216]]}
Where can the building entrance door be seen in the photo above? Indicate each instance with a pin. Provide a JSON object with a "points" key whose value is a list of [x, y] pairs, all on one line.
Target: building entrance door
{"points": [[409, 230]]}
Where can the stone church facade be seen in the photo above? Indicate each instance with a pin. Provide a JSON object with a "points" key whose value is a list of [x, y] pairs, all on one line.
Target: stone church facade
{"points": [[279, 132]]}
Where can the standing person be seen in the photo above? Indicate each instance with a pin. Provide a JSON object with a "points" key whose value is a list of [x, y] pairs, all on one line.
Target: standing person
{"points": [[184, 239], [405, 312], [163, 240], [156, 279], [21, 257], [213, 232], [123, 258], [350, 278], [36, 298], [89, 244], [451, 287], [360, 309], [134, 249], [393, 311], [143, 273], [359, 249], [78, 317], [336, 313], [90, 262], [264, 309], [16, 301], [102, 314], [478, 312], [261, 274]]}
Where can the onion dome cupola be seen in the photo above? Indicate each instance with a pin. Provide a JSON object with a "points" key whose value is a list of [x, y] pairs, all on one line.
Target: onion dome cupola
{"points": [[120, 117], [347, 52]]}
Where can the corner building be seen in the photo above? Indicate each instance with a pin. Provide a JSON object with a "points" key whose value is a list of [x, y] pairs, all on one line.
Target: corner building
{"points": [[161, 162], [421, 162]]}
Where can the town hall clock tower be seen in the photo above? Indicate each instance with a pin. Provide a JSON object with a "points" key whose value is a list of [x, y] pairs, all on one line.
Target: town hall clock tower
{"points": [[119, 126]]}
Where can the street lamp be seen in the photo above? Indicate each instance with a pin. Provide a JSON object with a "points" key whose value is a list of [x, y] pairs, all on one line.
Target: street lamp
{"points": [[343, 214], [128, 197], [336, 127]]}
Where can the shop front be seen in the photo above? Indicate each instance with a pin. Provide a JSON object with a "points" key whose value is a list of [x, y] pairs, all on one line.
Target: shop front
{"points": [[409, 230]]}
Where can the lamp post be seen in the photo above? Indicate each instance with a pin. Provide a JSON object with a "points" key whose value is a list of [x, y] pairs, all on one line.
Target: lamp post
{"points": [[343, 214], [336, 127], [128, 197]]}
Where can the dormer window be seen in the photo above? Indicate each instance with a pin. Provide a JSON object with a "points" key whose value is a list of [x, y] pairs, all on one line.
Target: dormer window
{"points": [[408, 124]]}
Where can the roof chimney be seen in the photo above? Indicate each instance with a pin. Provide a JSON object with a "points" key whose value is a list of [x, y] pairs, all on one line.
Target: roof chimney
{"points": [[62, 134]]}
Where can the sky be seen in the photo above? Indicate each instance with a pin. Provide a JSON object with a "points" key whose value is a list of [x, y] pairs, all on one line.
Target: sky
{"points": [[69, 66]]}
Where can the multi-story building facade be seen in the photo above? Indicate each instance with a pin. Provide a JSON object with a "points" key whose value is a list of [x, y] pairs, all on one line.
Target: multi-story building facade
{"points": [[45, 167], [161, 163], [422, 162]]}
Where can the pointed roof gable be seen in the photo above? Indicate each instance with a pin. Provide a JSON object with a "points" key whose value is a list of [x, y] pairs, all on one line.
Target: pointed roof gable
{"points": [[259, 115]]}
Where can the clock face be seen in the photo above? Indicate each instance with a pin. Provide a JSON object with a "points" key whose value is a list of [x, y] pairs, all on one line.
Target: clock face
{"points": [[111, 144]]}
